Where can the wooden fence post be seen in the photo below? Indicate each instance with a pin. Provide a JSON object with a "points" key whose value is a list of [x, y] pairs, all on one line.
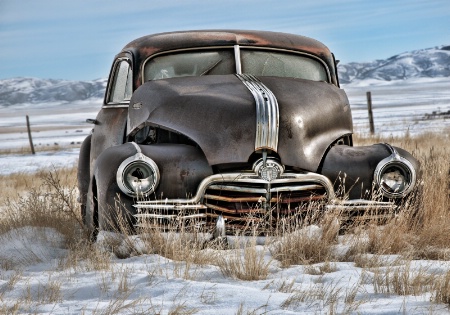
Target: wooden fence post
{"points": [[369, 106], [29, 136]]}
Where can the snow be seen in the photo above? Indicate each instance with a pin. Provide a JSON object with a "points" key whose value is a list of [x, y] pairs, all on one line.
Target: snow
{"points": [[400, 106], [152, 284], [19, 163]]}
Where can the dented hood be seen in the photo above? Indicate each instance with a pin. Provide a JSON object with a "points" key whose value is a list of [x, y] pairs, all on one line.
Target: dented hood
{"points": [[219, 114]]}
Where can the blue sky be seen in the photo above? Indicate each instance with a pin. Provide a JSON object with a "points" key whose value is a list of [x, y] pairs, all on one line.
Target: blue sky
{"points": [[77, 40]]}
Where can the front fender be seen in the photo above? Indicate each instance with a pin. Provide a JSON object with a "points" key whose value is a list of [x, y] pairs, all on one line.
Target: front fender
{"points": [[181, 168], [351, 169]]}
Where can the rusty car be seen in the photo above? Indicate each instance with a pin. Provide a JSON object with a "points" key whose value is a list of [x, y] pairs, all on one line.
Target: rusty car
{"points": [[228, 130]]}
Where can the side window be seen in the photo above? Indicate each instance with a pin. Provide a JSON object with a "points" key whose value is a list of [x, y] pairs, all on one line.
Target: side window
{"points": [[121, 88]]}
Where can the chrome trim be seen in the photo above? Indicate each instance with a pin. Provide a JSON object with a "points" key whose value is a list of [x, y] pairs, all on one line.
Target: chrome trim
{"points": [[197, 200], [267, 113], [111, 81], [138, 148], [219, 231], [116, 106], [294, 188], [395, 159], [237, 59], [169, 216], [133, 159], [238, 189], [360, 204], [162, 206]]}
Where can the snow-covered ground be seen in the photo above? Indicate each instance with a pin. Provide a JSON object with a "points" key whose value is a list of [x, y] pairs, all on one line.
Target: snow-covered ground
{"points": [[52, 126], [151, 284], [401, 106]]}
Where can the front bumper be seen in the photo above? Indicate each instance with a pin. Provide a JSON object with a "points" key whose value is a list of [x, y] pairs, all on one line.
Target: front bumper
{"points": [[243, 202]]}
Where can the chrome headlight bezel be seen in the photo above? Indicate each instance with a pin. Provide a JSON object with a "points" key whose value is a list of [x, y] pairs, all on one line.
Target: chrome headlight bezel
{"points": [[150, 169], [391, 164]]}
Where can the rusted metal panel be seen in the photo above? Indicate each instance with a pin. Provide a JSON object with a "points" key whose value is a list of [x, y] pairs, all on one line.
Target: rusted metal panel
{"points": [[108, 131], [219, 114]]}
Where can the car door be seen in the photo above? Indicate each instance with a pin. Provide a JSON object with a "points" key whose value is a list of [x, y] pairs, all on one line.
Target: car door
{"points": [[110, 124]]}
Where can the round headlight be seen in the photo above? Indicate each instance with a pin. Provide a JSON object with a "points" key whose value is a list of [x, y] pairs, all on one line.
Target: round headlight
{"points": [[138, 175], [395, 176]]}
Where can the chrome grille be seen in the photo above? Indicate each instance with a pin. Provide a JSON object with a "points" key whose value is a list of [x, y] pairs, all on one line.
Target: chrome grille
{"points": [[245, 201], [247, 204]]}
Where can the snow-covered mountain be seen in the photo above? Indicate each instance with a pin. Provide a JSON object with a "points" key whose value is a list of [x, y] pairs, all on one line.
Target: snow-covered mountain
{"points": [[430, 62], [33, 90]]}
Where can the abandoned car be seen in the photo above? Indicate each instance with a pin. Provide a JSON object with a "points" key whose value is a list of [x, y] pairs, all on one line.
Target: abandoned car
{"points": [[227, 131]]}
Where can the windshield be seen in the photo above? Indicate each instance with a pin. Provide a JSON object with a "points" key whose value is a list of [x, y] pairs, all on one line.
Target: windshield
{"points": [[258, 62], [190, 64], [279, 64]]}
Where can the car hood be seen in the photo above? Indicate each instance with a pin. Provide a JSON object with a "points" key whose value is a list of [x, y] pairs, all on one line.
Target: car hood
{"points": [[219, 114]]}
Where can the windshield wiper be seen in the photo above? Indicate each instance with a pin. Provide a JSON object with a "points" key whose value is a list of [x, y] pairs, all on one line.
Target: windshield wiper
{"points": [[212, 67]]}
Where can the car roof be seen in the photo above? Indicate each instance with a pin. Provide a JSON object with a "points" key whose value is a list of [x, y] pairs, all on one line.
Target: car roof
{"points": [[146, 46]]}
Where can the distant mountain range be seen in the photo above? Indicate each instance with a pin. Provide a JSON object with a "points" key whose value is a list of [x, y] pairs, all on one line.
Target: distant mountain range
{"points": [[32, 90], [423, 63], [430, 62]]}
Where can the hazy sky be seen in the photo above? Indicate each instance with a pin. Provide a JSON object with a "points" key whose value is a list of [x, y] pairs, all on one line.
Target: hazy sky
{"points": [[77, 39]]}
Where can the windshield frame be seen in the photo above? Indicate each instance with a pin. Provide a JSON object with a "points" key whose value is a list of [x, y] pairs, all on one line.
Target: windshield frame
{"points": [[237, 56]]}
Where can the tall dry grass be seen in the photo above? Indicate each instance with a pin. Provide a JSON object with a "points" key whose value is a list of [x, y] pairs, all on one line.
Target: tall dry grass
{"points": [[44, 199], [422, 228]]}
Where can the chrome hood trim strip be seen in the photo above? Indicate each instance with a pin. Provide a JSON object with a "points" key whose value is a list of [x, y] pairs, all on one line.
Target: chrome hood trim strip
{"points": [[267, 113]]}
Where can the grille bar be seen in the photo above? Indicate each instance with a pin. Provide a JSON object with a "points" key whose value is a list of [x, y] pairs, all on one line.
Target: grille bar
{"points": [[235, 199], [295, 188], [238, 189]]}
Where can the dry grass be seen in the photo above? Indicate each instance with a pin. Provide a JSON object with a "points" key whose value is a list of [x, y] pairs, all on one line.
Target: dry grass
{"points": [[306, 244], [442, 289], [246, 263], [47, 199], [402, 280], [422, 229], [19, 184]]}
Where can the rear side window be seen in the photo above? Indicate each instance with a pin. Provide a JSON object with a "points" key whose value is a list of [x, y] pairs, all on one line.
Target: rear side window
{"points": [[121, 88]]}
